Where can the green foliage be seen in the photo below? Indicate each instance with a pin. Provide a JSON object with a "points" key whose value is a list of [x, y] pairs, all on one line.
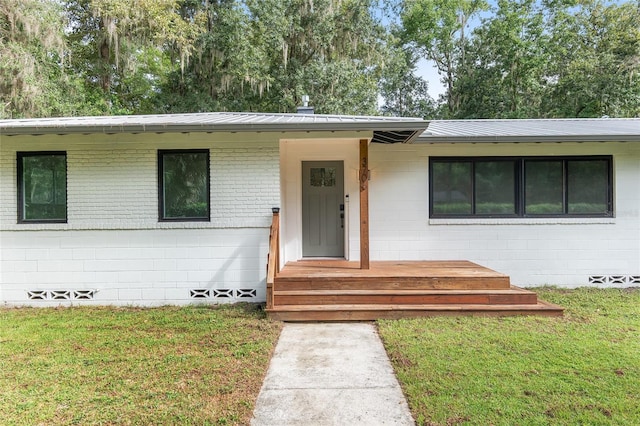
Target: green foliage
{"points": [[264, 55], [452, 208], [34, 78], [495, 208], [580, 369], [531, 59], [544, 208], [123, 51], [437, 28], [598, 71], [226, 66], [526, 58], [506, 77], [404, 93]]}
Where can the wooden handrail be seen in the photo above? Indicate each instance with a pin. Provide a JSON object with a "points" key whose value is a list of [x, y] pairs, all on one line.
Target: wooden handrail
{"points": [[273, 258]]}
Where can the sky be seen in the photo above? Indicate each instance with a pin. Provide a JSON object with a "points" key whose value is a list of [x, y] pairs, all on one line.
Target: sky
{"points": [[427, 70]]}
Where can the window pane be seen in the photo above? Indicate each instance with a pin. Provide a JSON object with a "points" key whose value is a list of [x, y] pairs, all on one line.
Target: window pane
{"points": [[185, 185], [44, 187], [323, 176], [495, 187], [543, 188], [451, 188], [588, 186]]}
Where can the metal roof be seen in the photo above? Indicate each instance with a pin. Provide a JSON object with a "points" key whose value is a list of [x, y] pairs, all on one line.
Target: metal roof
{"points": [[386, 129], [532, 130]]}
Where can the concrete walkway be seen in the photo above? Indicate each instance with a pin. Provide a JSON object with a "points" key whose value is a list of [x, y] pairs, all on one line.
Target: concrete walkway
{"points": [[330, 374]]}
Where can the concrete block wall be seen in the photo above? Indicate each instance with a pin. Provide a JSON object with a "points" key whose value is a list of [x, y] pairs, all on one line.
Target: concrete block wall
{"points": [[134, 267], [113, 242], [565, 252]]}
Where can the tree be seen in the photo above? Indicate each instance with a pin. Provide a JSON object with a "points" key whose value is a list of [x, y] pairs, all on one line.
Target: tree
{"points": [[507, 68], [121, 48], [332, 50], [228, 66], [437, 28], [264, 55], [405, 94], [33, 56], [599, 71], [532, 58]]}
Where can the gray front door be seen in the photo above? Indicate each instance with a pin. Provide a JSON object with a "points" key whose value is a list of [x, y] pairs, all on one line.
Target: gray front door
{"points": [[322, 209]]}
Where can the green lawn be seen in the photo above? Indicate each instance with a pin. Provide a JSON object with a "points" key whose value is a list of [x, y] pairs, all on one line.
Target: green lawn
{"points": [[204, 365], [194, 365], [580, 369]]}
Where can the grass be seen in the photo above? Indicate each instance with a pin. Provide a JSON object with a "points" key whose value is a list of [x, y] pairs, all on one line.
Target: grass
{"points": [[193, 365], [583, 368], [205, 365]]}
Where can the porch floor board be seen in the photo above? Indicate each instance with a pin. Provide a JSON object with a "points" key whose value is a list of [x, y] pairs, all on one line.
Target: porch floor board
{"points": [[338, 290]]}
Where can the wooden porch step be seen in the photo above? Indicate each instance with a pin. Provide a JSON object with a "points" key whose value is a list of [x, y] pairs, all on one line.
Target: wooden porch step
{"points": [[393, 283], [338, 290], [364, 312], [512, 296]]}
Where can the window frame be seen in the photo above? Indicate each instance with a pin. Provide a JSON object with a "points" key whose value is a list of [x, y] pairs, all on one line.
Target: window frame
{"points": [[161, 154], [20, 181], [520, 186]]}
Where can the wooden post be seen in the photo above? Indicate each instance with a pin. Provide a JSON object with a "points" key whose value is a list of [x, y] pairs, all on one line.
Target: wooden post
{"points": [[364, 204]]}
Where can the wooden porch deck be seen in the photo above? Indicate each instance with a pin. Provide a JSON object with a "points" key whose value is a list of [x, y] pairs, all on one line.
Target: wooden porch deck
{"points": [[338, 290]]}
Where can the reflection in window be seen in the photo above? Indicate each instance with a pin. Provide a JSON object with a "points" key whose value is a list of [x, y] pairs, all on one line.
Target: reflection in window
{"points": [[521, 186], [495, 187], [543, 190], [184, 185], [42, 180], [323, 176], [452, 188], [587, 186]]}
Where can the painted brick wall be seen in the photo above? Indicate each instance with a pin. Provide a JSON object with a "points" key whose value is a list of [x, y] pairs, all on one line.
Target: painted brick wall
{"points": [[564, 252], [113, 242], [112, 184], [248, 185]]}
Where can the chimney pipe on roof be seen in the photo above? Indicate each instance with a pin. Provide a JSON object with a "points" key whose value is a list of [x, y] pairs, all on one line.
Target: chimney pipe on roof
{"points": [[305, 108]]}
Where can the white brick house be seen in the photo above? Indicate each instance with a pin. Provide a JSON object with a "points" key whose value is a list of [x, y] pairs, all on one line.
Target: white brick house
{"points": [[117, 234]]}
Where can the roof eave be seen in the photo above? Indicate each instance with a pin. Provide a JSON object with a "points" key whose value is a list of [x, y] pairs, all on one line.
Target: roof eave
{"points": [[416, 126], [526, 139]]}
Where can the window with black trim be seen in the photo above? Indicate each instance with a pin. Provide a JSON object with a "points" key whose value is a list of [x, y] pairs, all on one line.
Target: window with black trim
{"points": [[520, 187], [42, 187], [183, 185]]}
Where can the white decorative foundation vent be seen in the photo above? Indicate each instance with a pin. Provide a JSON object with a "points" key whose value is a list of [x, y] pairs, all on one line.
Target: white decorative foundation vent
{"points": [[620, 280], [223, 293], [200, 293], [61, 294]]}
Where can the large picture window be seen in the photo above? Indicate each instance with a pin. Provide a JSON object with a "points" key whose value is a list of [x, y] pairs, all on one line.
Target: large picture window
{"points": [[183, 180], [42, 187], [520, 187]]}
